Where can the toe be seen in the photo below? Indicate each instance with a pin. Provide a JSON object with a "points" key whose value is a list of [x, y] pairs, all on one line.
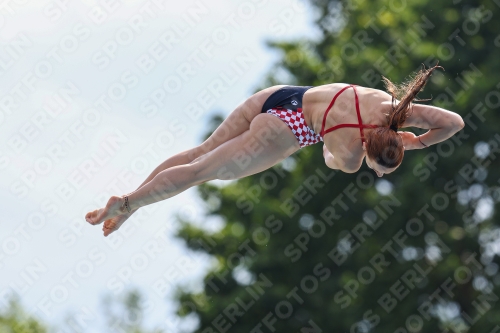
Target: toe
{"points": [[107, 231], [109, 224], [96, 216], [89, 217]]}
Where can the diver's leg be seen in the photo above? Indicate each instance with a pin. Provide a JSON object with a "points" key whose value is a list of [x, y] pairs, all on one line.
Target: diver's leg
{"points": [[267, 142], [235, 124]]}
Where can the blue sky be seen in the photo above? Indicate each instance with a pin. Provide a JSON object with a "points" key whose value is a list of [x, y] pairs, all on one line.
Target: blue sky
{"points": [[93, 96]]}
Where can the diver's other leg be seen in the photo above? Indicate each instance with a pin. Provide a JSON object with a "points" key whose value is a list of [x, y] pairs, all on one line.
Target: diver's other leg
{"points": [[235, 124], [239, 120], [267, 142]]}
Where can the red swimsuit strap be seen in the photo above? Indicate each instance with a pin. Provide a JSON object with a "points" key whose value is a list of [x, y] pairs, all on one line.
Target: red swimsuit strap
{"points": [[360, 124]]}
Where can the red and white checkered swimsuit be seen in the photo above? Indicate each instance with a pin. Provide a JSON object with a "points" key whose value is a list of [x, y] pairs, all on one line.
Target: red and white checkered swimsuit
{"points": [[286, 104], [296, 122]]}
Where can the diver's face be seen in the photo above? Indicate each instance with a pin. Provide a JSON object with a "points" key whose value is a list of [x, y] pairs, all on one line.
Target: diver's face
{"points": [[379, 170]]}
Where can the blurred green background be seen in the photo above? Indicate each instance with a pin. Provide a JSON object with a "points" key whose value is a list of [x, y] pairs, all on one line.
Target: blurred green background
{"points": [[308, 249]]}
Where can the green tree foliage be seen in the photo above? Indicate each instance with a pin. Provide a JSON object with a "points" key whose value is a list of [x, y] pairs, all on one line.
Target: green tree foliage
{"points": [[124, 314], [14, 319], [308, 249]]}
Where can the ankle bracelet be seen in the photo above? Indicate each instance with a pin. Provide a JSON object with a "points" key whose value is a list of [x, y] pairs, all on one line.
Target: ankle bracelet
{"points": [[126, 203]]}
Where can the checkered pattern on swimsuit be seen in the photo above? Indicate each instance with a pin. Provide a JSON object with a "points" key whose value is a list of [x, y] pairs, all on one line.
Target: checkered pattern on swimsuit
{"points": [[295, 121]]}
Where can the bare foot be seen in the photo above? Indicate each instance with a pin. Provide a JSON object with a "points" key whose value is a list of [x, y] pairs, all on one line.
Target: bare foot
{"points": [[113, 208], [91, 216], [112, 224]]}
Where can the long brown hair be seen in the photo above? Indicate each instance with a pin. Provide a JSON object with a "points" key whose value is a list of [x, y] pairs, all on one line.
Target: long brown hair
{"points": [[383, 144]]}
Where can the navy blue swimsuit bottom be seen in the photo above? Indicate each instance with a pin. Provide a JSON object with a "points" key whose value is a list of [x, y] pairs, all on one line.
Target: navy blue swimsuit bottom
{"points": [[286, 104]]}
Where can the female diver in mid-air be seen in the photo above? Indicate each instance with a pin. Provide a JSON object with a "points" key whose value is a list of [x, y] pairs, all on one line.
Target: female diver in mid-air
{"points": [[277, 121]]}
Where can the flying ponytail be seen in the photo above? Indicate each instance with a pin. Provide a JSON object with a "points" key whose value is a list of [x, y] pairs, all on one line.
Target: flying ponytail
{"points": [[406, 93], [384, 145]]}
